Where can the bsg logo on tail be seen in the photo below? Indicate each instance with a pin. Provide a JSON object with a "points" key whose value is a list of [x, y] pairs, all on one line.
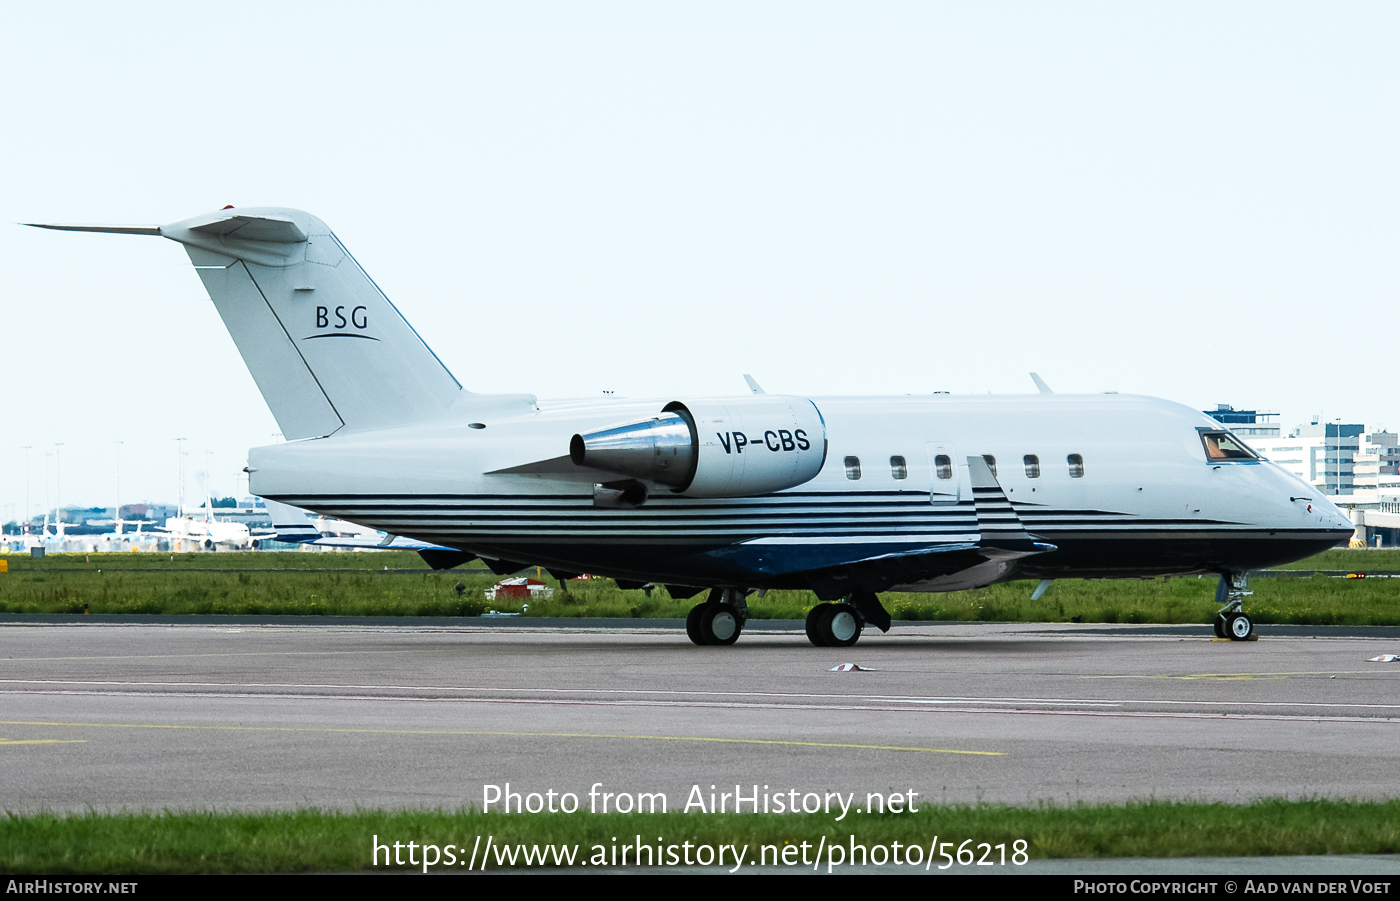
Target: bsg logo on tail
{"points": [[349, 323]]}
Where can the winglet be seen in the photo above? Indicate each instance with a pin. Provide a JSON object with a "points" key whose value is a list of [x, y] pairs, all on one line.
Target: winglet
{"points": [[996, 519], [1040, 383], [753, 386]]}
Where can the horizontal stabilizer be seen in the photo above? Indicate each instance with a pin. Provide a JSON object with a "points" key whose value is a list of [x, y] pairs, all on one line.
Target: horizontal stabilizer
{"points": [[108, 229]]}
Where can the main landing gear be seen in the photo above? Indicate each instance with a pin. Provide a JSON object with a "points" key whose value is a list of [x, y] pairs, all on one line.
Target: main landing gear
{"points": [[839, 625], [720, 619], [834, 625], [1231, 621]]}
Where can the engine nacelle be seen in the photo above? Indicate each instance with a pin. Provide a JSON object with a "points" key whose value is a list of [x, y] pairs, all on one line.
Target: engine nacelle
{"points": [[715, 447]]}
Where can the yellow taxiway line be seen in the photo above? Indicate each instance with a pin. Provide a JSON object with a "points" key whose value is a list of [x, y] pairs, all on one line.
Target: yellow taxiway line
{"points": [[737, 741]]}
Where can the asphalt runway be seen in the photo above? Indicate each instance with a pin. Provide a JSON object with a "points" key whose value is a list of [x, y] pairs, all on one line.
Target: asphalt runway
{"points": [[248, 716]]}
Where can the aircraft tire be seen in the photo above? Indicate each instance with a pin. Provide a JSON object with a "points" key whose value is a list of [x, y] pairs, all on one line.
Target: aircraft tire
{"points": [[1240, 627], [1220, 627], [692, 623], [814, 624], [720, 624], [841, 627]]}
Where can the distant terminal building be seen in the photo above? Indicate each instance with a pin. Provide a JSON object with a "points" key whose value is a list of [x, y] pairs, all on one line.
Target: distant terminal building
{"points": [[1246, 423], [1339, 458], [1357, 469]]}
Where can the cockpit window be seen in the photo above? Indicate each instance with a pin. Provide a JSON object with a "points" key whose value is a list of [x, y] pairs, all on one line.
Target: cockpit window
{"points": [[1225, 446]]}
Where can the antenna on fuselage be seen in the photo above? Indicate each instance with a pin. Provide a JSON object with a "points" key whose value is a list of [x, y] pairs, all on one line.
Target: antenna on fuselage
{"points": [[1040, 383]]}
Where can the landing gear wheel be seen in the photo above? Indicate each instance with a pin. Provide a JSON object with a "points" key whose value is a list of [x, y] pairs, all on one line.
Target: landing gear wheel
{"points": [[841, 627], [692, 623], [720, 624], [814, 623], [1220, 627], [1239, 626]]}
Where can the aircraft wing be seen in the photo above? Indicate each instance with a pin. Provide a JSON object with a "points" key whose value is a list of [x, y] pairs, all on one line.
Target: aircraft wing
{"points": [[978, 556], [387, 543], [289, 523], [292, 525]]}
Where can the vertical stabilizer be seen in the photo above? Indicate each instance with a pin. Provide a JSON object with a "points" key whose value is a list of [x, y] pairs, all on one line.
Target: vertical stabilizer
{"points": [[325, 346]]}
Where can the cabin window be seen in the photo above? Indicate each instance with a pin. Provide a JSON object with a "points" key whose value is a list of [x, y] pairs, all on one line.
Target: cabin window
{"points": [[1225, 446], [898, 468], [943, 466], [1032, 466], [853, 468], [1076, 466], [991, 463]]}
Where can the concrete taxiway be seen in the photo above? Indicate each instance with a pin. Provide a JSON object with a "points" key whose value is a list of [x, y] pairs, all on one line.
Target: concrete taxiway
{"points": [[259, 714]]}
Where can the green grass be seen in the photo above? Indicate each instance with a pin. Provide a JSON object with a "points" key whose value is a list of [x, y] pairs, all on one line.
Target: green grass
{"points": [[1352, 560], [367, 584], [327, 841]]}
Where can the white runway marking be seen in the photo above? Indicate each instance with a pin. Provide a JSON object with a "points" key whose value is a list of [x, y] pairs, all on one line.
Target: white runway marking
{"points": [[1042, 707], [251, 690]]}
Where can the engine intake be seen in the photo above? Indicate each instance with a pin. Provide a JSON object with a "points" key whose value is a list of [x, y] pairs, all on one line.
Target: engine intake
{"points": [[714, 447]]}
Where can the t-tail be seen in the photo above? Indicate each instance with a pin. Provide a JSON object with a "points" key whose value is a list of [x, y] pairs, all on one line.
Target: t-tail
{"points": [[325, 346]]}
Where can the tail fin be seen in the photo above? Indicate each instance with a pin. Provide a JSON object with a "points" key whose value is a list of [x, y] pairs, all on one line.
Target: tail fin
{"points": [[324, 345]]}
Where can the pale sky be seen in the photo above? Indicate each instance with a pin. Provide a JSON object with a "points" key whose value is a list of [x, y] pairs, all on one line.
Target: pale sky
{"points": [[1191, 201]]}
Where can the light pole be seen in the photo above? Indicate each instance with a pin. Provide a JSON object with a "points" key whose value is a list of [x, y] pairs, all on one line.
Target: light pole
{"points": [[27, 448], [180, 459], [58, 484], [117, 510], [48, 455]]}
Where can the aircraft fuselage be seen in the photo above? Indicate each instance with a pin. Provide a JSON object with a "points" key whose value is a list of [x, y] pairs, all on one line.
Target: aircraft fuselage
{"points": [[1120, 485]]}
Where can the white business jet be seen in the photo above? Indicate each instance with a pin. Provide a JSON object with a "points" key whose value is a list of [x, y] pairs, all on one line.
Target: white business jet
{"points": [[846, 497], [207, 532]]}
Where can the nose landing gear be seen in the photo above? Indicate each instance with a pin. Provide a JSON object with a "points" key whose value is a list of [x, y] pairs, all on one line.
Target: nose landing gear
{"points": [[1231, 621]]}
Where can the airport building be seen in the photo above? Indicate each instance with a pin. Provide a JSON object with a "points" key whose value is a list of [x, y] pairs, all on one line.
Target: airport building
{"points": [[1356, 469], [1248, 424], [1340, 459]]}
